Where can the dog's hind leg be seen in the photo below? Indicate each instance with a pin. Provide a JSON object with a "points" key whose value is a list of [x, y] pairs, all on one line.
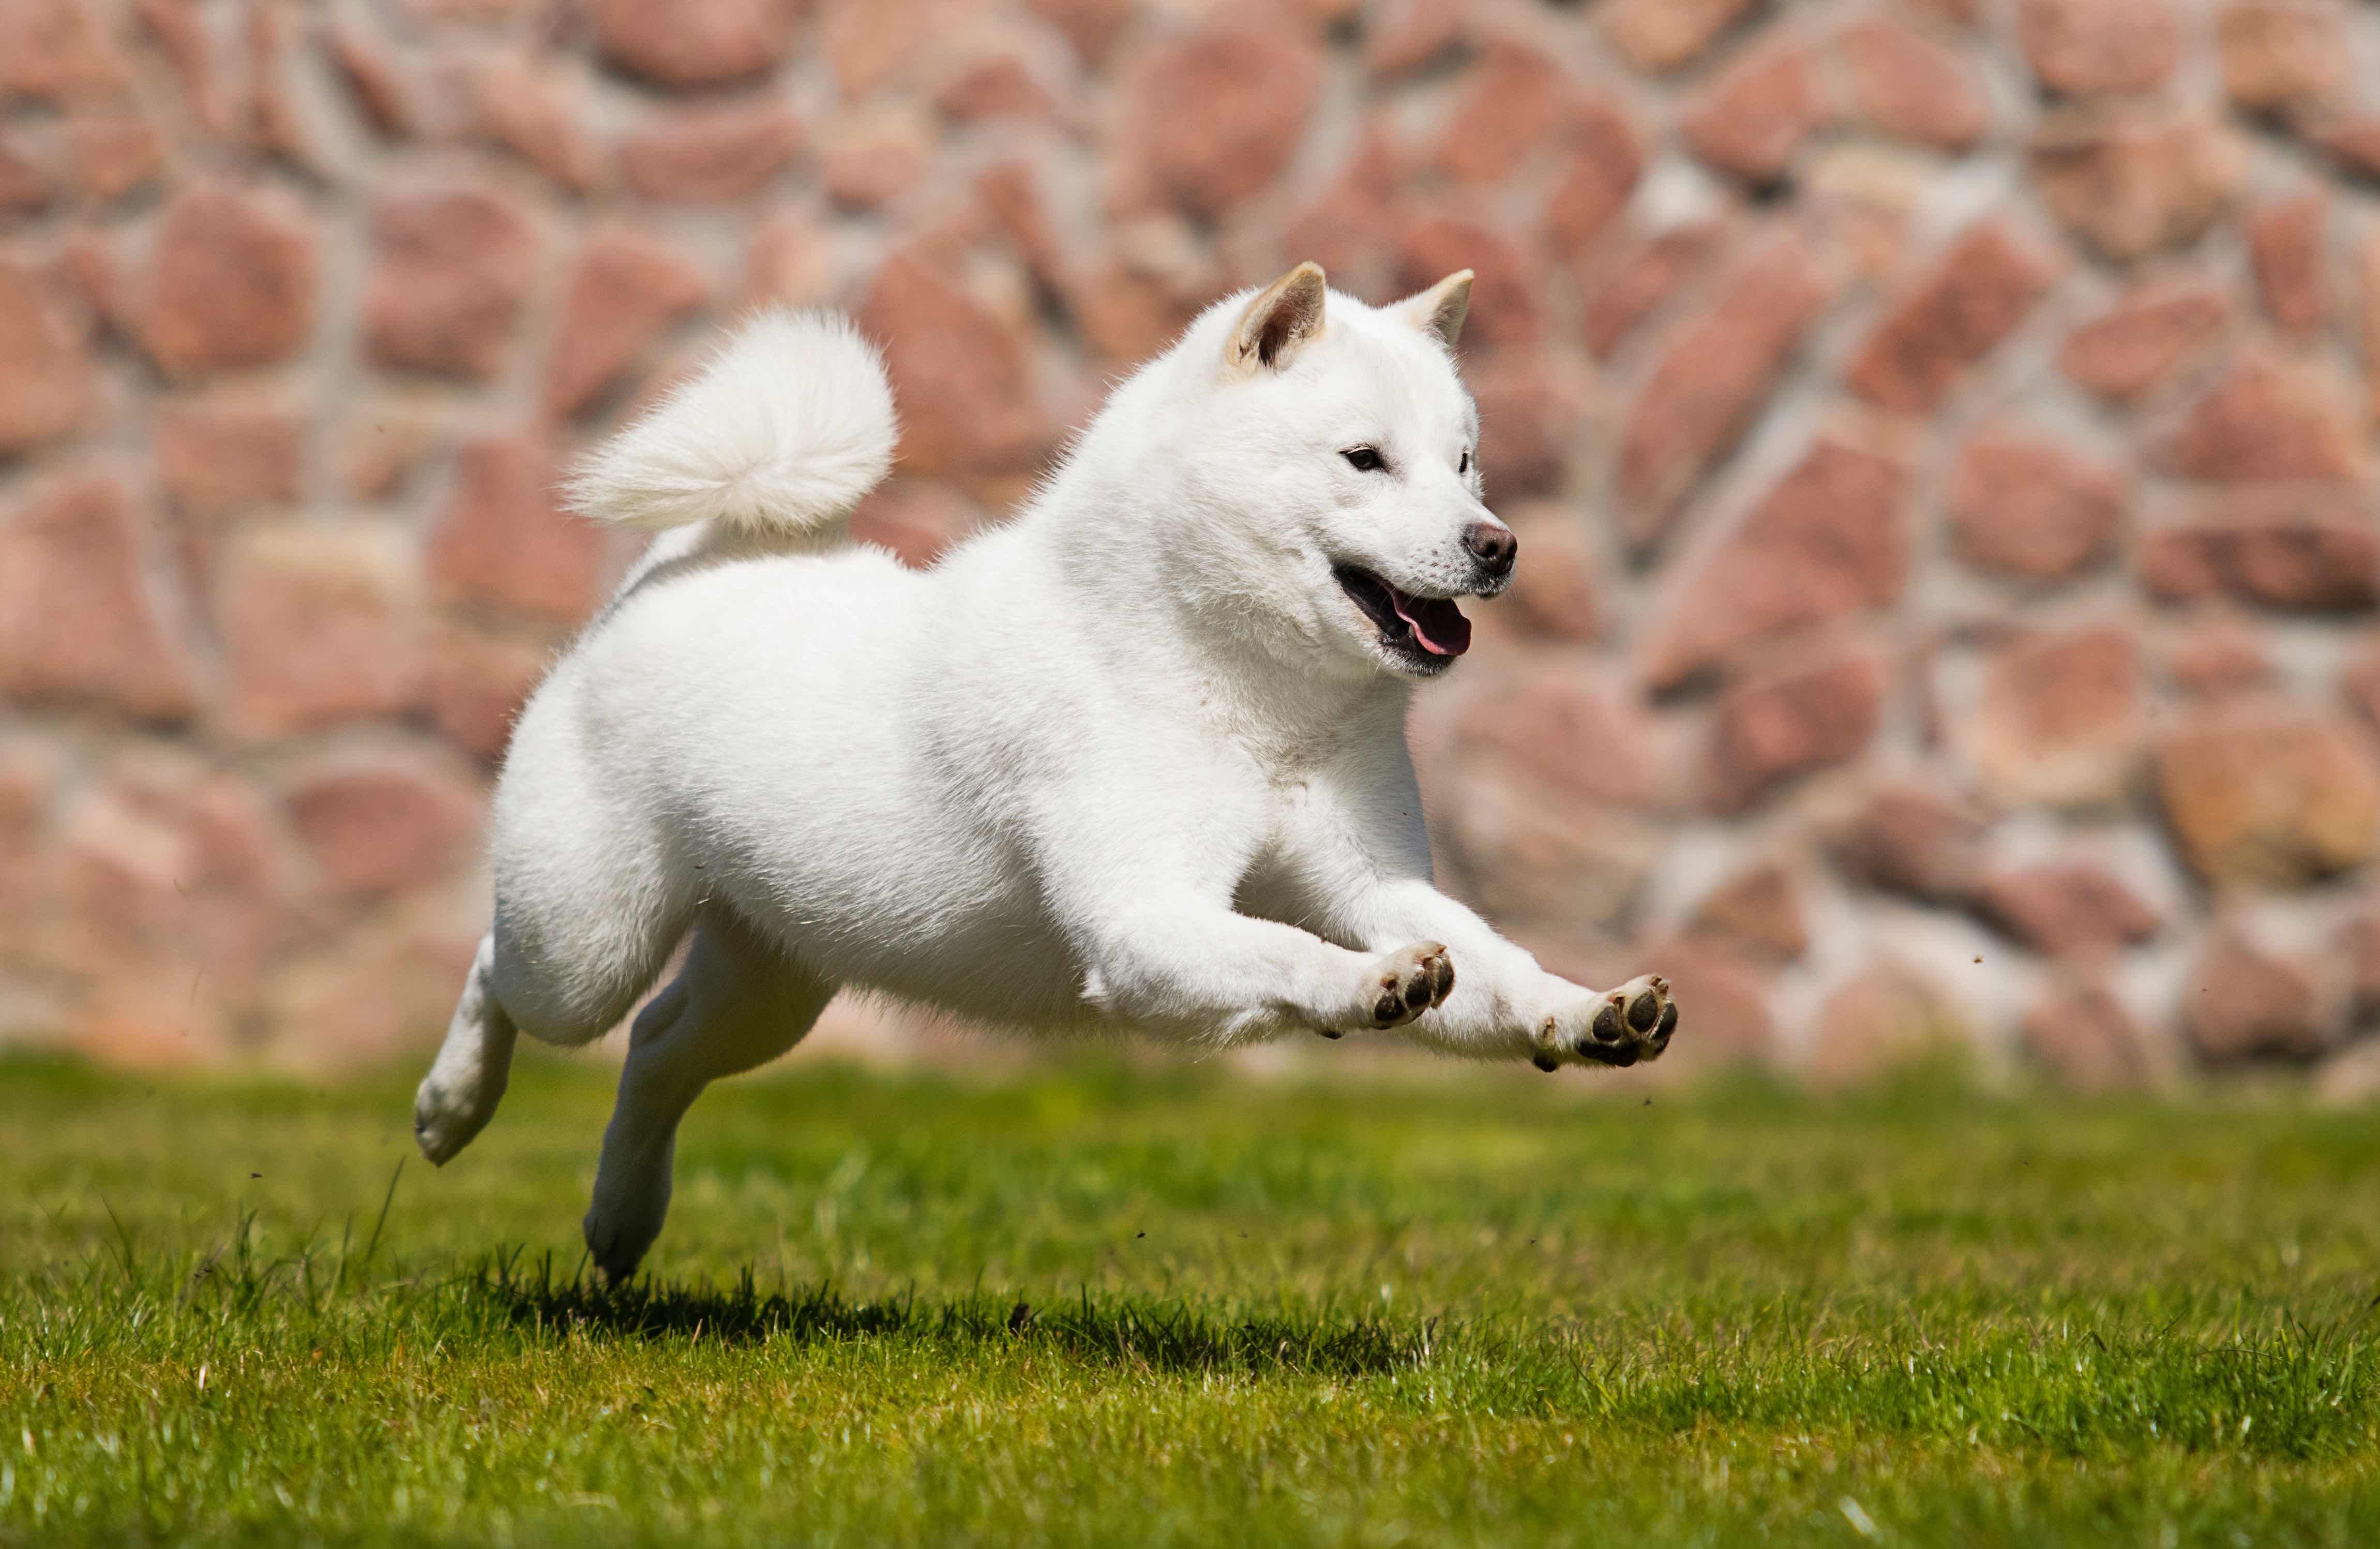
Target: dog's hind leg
{"points": [[588, 905], [738, 1003], [459, 1096]]}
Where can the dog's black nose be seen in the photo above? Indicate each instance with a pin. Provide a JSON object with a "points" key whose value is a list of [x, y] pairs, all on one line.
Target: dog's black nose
{"points": [[1493, 545]]}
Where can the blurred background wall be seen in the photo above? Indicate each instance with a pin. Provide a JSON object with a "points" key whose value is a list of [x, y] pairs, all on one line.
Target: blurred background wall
{"points": [[1941, 436]]}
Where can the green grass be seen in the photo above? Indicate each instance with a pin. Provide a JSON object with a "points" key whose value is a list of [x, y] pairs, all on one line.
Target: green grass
{"points": [[1107, 1304]]}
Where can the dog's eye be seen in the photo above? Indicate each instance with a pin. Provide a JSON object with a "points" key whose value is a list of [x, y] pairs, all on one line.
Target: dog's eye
{"points": [[1364, 459], [1465, 465]]}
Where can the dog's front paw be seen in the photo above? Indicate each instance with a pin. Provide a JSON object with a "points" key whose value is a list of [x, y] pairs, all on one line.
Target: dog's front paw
{"points": [[1411, 981], [1617, 1027], [1400, 986]]}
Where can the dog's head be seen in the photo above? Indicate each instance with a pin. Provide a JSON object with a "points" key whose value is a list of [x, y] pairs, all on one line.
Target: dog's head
{"points": [[1334, 456]]}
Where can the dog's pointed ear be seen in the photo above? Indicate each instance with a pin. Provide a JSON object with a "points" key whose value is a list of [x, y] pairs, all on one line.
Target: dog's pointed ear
{"points": [[1442, 309], [1279, 320]]}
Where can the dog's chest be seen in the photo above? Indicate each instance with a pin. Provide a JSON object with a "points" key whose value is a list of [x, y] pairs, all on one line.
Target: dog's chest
{"points": [[1287, 809]]}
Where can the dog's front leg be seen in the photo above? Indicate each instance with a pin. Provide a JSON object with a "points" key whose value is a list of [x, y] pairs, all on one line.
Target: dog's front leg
{"points": [[1195, 965], [1503, 1002]]}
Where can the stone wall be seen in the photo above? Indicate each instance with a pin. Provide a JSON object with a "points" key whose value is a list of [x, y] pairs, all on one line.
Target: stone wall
{"points": [[1941, 435]]}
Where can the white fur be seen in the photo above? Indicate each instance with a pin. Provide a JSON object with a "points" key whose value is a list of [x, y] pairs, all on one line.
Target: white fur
{"points": [[1134, 759], [781, 433]]}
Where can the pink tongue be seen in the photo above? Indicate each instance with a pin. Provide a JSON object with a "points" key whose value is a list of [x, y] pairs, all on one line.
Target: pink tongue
{"points": [[1436, 623]]}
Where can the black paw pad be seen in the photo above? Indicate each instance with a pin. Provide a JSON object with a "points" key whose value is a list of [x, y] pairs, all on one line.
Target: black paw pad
{"points": [[1644, 1012], [1544, 1060], [1606, 1024]]}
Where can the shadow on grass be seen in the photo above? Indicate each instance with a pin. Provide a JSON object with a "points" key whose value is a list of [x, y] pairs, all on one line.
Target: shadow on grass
{"points": [[1122, 1331]]}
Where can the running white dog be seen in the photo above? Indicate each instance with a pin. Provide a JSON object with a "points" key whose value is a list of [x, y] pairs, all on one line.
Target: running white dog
{"points": [[1134, 759]]}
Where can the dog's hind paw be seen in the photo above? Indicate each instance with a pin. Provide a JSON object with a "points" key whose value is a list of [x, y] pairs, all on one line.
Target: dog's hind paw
{"points": [[1617, 1027], [619, 1231], [447, 1115]]}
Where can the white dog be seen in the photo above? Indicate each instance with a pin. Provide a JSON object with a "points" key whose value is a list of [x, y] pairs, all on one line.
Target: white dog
{"points": [[1134, 759]]}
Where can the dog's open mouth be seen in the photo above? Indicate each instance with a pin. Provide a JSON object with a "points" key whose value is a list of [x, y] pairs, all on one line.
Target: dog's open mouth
{"points": [[1427, 632]]}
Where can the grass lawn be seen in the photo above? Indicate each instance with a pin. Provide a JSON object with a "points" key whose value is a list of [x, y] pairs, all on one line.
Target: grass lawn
{"points": [[1100, 1303]]}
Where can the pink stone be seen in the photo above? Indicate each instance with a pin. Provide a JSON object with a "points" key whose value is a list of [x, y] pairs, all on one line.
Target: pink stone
{"points": [[2283, 54], [1514, 100], [2309, 548], [1554, 590], [1409, 34], [870, 159], [1353, 218], [2100, 45], [2061, 910], [998, 85], [505, 540], [959, 373], [917, 521], [1642, 278], [626, 290], [1828, 541], [2136, 346], [1973, 298], [2025, 505], [384, 820], [2265, 420], [693, 43], [383, 91], [80, 616], [1529, 413], [320, 624], [1544, 861], [1212, 117], [217, 455], [1912, 88], [2131, 182], [2085, 1041], [1505, 311], [2269, 794], [454, 266], [711, 154], [1711, 379], [57, 49], [1886, 1020], [1605, 160], [1091, 26], [2219, 657], [2062, 720], [1791, 722], [1910, 838], [477, 679], [232, 283], [1759, 909], [115, 155], [2242, 1003], [532, 109], [1663, 34], [48, 388], [1566, 730], [2285, 246], [1753, 117]]}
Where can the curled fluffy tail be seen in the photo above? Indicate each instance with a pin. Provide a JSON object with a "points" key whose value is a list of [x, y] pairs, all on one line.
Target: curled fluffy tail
{"points": [[778, 436]]}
